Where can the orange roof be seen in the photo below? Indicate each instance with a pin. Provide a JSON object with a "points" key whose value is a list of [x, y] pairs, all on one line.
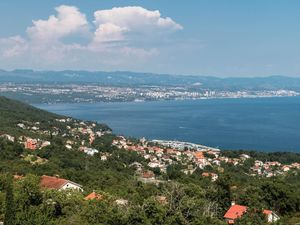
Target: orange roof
{"points": [[148, 174], [267, 212], [199, 155], [94, 196], [235, 211], [170, 150], [205, 174]]}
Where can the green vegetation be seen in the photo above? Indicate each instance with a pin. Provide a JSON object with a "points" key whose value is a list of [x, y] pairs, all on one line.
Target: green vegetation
{"points": [[13, 112], [187, 199]]}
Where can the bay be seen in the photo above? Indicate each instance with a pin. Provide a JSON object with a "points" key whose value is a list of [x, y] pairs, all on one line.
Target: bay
{"points": [[265, 124]]}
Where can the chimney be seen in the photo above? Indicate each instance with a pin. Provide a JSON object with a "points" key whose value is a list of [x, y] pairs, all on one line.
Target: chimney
{"points": [[233, 203]]}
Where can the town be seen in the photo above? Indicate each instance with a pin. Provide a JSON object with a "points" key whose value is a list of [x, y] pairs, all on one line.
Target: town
{"points": [[90, 93]]}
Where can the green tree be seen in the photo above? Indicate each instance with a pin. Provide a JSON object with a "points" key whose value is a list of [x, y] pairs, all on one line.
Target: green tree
{"points": [[9, 218]]}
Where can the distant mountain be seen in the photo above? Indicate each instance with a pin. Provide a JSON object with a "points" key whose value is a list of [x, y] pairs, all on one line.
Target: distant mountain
{"points": [[139, 79]]}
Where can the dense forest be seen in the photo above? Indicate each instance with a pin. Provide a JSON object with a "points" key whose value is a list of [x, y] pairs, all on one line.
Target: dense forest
{"points": [[187, 199]]}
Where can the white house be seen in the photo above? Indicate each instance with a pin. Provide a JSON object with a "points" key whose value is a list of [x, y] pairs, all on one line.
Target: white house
{"points": [[58, 183], [271, 216]]}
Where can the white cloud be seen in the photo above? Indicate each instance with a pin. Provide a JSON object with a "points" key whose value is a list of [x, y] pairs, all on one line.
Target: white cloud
{"points": [[69, 20], [124, 37], [13, 46], [131, 20], [109, 32]]}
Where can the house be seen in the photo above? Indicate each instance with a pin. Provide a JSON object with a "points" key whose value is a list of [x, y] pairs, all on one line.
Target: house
{"points": [[31, 144], [244, 156], [148, 175], [90, 151], [161, 199], [213, 176], [8, 137], [93, 196], [21, 125], [103, 158], [271, 216], [57, 183], [45, 144], [92, 138], [257, 169], [286, 168], [258, 163], [68, 147], [295, 165], [234, 212], [237, 211], [121, 202], [153, 164]]}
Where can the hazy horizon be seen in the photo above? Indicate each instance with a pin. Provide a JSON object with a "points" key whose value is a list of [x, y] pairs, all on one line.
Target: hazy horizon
{"points": [[153, 73]]}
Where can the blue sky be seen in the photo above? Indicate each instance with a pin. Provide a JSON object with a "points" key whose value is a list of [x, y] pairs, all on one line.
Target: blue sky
{"points": [[220, 38]]}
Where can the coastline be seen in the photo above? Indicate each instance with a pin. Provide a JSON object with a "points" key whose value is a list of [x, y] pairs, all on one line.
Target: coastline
{"points": [[235, 124]]}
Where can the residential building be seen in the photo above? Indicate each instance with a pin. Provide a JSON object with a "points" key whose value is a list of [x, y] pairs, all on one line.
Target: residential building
{"points": [[57, 183]]}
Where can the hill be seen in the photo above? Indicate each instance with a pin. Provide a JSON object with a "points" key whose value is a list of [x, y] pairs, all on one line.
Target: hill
{"points": [[13, 112], [125, 78]]}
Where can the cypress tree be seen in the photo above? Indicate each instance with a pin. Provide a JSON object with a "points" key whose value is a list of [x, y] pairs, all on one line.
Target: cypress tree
{"points": [[9, 218]]}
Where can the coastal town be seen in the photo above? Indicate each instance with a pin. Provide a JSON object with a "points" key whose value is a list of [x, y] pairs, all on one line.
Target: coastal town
{"points": [[163, 153], [159, 154], [80, 135], [90, 93]]}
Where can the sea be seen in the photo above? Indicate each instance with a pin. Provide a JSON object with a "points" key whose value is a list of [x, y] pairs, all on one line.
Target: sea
{"points": [[261, 124]]}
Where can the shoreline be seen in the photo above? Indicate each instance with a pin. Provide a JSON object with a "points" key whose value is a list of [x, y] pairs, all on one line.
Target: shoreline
{"points": [[163, 100]]}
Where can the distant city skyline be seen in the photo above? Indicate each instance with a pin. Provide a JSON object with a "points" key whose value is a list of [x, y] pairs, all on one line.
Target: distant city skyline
{"points": [[204, 37]]}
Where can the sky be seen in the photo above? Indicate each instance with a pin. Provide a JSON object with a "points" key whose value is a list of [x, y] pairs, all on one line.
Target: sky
{"points": [[231, 38]]}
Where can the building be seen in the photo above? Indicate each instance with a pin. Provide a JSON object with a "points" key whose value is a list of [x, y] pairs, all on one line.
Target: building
{"points": [[237, 211], [31, 144], [234, 212], [8, 137], [45, 144], [271, 216], [212, 176], [121, 202], [94, 196], [148, 175], [57, 183]]}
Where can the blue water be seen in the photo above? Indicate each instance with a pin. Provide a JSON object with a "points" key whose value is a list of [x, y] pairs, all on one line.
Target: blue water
{"points": [[268, 124]]}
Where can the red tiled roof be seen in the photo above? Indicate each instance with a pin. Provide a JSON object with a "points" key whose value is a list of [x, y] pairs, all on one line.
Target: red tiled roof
{"points": [[94, 196], [235, 211], [52, 182], [148, 174], [267, 212]]}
